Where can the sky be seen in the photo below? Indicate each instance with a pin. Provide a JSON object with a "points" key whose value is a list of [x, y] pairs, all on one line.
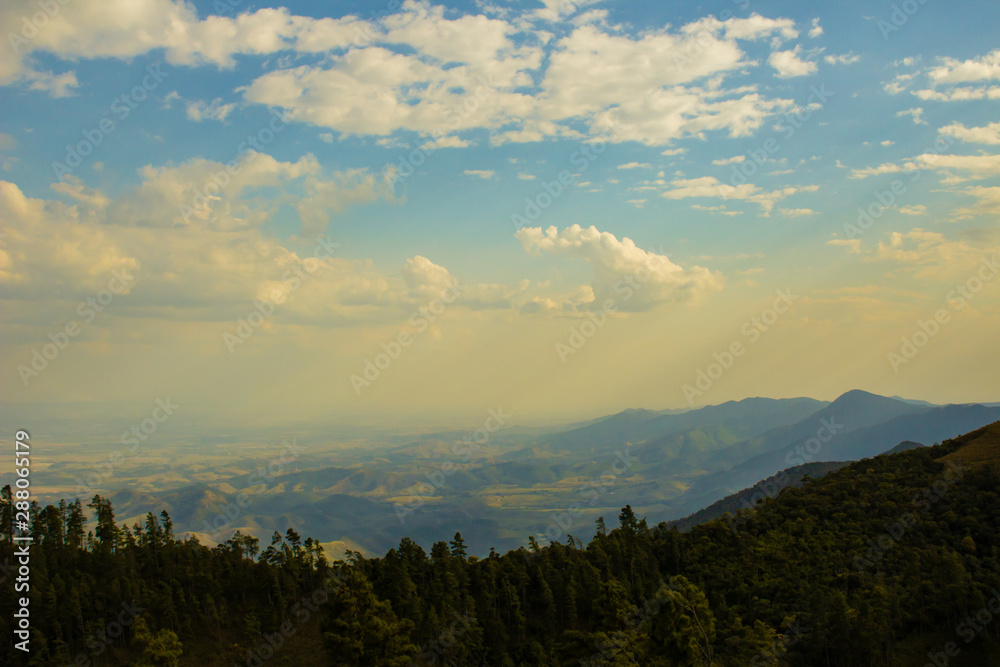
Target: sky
{"points": [[416, 212]]}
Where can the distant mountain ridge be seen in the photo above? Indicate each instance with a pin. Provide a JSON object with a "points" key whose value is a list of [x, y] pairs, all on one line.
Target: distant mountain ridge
{"points": [[866, 425], [551, 483]]}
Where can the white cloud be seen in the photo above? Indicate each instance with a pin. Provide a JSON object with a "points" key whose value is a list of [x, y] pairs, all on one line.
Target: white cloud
{"points": [[722, 210], [916, 113], [447, 142], [915, 209], [989, 134], [886, 168], [852, 245], [960, 94], [887, 142], [613, 261], [929, 254], [635, 165], [843, 59], [213, 266], [557, 10], [56, 85], [216, 110], [970, 167], [963, 71], [422, 71], [673, 151], [987, 203], [752, 27], [796, 212], [944, 79], [730, 160], [521, 176], [710, 187], [484, 174], [787, 64], [816, 30], [973, 166]]}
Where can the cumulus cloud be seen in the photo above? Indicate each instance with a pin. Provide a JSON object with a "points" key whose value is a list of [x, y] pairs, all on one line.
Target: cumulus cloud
{"points": [[948, 80], [439, 75], [211, 267], [960, 94], [787, 64], [989, 134], [981, 68], [613, 261], [447, 142]]}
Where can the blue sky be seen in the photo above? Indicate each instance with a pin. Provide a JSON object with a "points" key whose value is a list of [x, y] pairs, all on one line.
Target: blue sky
{"points": [[822, 108]]}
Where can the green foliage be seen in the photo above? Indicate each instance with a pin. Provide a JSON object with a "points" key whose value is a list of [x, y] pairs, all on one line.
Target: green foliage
{"points": [[849, 569]]}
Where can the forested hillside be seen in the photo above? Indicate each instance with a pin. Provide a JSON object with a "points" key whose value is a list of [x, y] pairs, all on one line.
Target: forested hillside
{"points": [[877, 563]]}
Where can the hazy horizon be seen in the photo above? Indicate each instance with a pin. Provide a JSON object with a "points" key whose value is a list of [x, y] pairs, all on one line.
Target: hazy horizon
{"points": [[234, 212]]}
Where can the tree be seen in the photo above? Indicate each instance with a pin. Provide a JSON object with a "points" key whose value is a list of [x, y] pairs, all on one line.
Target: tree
{"points": [[458, 546], [163, 649], [361, 630]]}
